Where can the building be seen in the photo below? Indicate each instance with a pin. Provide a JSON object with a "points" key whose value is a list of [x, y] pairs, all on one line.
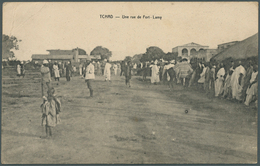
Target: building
{"points": [[190, 50], [242, 50], [224, 46], [193, 50], [74, 55]]}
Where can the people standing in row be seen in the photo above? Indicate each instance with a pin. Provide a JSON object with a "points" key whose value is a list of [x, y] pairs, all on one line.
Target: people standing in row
{"points": [[107, 71], [56, 71], [89, 75], [252, 89]]}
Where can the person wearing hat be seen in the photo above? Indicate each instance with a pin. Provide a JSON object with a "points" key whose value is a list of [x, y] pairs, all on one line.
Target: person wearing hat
{"points": [[171, 73], [89, 75], [46, 77]]}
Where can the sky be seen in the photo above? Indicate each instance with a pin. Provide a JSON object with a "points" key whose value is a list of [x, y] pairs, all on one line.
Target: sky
{"points": [[66, 25]]}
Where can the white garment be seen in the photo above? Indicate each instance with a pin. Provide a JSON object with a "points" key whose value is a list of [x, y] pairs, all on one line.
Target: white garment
{"points": [[56, 71], [18, 69], [155, 74], [107, 72], [115, 69], [253, 76], [236, 88], [219, 82], [202, 75], [90, 72], [80, 69]]}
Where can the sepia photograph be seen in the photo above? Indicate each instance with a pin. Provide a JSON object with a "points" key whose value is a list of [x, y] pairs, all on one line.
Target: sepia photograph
{"points": [[129, 83]]}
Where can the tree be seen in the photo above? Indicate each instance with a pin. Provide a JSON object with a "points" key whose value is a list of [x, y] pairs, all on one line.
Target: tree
{"points": [[9, 43], [152, 53], [128, 58], [136, 58], [170, 56], [102, 51]]}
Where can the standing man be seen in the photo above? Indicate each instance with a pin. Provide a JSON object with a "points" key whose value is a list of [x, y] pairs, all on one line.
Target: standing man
{"points": [[80, 69], [115, 68], [56, 71], [46, 77], [219, 83], [155, 73], [237, 81], [22, 70], [89, 76], [68, 71], [18, 69], [127, 72], [122, 68], [107, 72]]}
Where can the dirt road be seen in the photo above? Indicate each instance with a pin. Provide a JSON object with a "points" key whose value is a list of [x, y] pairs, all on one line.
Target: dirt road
{"points": [[142, 124]]}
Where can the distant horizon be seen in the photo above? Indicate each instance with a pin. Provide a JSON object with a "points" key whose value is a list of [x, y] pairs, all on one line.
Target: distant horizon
{"points": [[57, 25]]}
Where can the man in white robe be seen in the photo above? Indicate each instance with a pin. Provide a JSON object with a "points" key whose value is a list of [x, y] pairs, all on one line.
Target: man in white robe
{"points": [[107, 72], [155, 73], [56, 71], [237, 81], [19, 70], [219, 81]]}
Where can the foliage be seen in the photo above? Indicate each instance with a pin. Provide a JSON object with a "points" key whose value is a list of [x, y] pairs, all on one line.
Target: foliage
{"points": [[170, 56], [136, 58], [152, 53], [128, 58], [102, 51], [9, 43]]}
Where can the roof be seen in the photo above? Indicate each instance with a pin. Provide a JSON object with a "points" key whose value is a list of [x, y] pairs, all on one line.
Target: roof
{"points": [[47, 56], [192, 45], [241, 50], [228, 43]]}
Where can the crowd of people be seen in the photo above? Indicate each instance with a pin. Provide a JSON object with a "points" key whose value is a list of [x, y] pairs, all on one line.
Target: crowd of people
{"points": [[232, 80]]}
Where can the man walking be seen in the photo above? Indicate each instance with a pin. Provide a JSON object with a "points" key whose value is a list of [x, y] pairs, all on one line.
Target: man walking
{"points": [[89, 75]]}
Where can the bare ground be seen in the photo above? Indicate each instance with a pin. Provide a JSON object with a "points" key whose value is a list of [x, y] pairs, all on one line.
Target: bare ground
{"points": [[138, 125]]}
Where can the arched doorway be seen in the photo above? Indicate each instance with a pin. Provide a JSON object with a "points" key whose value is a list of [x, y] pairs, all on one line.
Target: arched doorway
{"points": [[193, 52], [184, 52], [202, 53]]}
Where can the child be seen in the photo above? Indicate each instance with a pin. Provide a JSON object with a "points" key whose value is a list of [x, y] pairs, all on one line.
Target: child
{"points": [[51, 108]]}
